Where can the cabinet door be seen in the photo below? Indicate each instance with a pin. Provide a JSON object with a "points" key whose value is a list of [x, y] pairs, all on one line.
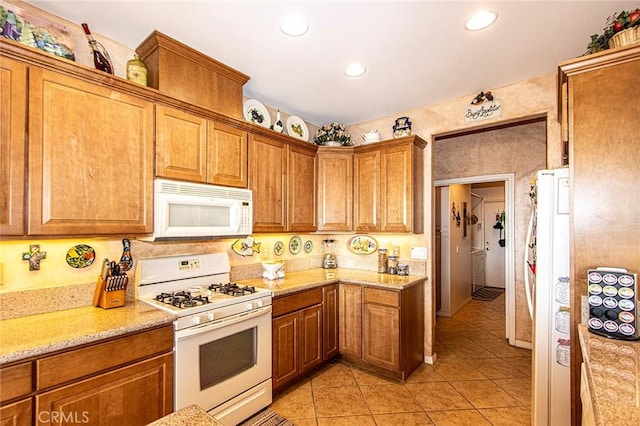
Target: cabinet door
{"points": [[267, 173], [396, 193], [310, 337], [350, 314], [133, 395], [366, 184], [301, 190], [381, 336], [335, 191], [90, 158], [227, 155], [330, 324], [181, 145], [13, 94], [285, 365], [16, 414]]}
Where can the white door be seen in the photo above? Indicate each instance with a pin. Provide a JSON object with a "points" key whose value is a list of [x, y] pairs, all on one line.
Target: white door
{"points": [[494, 253]]}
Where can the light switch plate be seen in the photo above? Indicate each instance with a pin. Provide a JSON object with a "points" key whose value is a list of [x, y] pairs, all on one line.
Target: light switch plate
{"points": [[419, 253]]}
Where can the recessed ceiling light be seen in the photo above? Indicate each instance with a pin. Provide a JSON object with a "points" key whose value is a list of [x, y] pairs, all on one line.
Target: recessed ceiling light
{"points": [[481, 20], [355, 70], [294, 26]]}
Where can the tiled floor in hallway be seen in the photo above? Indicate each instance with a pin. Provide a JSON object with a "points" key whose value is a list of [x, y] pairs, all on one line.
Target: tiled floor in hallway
{"points": [[477, 380]]}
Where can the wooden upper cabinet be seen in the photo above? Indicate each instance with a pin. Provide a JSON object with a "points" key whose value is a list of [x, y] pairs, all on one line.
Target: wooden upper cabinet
{"points": [[227, 155], [301, 190], [396, 180], [267, 174], [366, 184], [282, 177], [193, 148], [90, 158], [388, 186], [181, 145], [335, 189], [13, 93]]}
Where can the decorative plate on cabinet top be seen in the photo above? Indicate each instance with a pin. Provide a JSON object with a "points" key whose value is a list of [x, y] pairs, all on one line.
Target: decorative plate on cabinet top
{"points": [[256, 113], [80, 256], [362, 244], [295, 245], [297, 128]]}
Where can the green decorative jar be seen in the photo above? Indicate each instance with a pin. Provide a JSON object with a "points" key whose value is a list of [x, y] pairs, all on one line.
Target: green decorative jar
{"points": [[137, 70]]}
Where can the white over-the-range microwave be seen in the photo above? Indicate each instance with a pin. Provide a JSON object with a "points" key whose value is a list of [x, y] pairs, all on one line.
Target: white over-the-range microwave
{"points": [[193, 210]]}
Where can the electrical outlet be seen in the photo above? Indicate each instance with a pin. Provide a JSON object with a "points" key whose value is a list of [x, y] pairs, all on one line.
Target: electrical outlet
{"points": [[419, 253]]}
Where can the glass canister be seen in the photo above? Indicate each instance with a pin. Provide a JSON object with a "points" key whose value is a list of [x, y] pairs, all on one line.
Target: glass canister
{"points": [[382, 261], [393, 265], [403, 269], [137, 70]]}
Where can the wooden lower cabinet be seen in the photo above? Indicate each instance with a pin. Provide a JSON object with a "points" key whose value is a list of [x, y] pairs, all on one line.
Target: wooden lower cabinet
{"points": [[297, 344], [382, 329], [350, 314], [16, 414], [126, 380], [134, 395], [304, 330], [330, 322]]}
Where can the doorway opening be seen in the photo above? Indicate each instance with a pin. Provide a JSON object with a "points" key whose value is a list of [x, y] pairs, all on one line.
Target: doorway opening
{"points": [[505, 275]]}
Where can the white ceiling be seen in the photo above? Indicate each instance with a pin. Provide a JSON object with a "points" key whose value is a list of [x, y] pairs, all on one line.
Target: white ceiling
{"points": [[416, 52]]}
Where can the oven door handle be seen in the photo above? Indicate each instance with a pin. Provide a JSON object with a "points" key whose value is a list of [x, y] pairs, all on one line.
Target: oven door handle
{"points": [[223, 322]]}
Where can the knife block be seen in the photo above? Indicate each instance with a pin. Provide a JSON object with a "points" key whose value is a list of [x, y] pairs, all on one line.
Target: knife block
{"points": [[107, 299]]}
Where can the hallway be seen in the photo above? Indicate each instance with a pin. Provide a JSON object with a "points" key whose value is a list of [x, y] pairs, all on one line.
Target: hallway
{"points": [[477, 380]]}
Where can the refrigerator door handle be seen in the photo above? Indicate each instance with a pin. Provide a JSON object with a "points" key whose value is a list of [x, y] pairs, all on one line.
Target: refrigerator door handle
{"points": [[527, 284]]}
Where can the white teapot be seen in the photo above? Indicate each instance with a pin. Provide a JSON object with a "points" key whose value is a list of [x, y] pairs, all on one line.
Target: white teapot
{"points": [[372, 136]]}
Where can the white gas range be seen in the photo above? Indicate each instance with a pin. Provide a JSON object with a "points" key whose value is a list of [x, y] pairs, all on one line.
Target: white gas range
{"points": [[222, 347]]}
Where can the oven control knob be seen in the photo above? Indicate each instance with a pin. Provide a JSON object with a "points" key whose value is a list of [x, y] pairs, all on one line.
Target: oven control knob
{"points": [[210, 316], [195, 320], [259, 304], [249, 306]]}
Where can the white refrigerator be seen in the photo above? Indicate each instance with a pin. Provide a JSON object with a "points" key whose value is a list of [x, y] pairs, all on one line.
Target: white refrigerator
{"points": [[547, 255]]}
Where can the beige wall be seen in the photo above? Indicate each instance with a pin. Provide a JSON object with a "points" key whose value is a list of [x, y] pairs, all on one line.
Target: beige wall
{"points": [[530, 98], [460, 273]]}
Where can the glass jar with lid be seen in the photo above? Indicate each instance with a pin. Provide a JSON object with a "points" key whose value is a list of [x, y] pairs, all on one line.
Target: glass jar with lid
{"points": [[382, 261], [393, 265]]}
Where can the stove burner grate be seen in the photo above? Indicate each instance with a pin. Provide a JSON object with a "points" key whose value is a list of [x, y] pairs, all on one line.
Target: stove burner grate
{"points": [[232, 289], [182, 299]]}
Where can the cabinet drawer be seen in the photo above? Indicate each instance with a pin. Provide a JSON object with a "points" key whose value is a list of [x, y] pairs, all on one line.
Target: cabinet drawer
{"points": [[90, 360], [297, 301], [16, 381], [381, 297]]}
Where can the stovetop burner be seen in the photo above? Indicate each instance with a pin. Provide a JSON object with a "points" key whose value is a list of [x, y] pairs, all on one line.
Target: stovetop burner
{"points": [[232, 289], [187, 299], [182, 299]]}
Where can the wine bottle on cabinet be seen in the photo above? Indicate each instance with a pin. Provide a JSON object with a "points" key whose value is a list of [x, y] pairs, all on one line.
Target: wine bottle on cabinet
{"points": [[101, 58]]}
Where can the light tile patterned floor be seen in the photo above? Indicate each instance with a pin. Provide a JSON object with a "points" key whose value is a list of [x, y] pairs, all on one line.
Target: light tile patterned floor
{"points": [[477, 380]]}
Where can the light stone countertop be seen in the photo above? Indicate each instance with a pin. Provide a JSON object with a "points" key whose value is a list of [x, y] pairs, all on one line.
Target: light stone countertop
{"points": [[303, 280], [35, 335], [192, 415], [613, 376]]}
